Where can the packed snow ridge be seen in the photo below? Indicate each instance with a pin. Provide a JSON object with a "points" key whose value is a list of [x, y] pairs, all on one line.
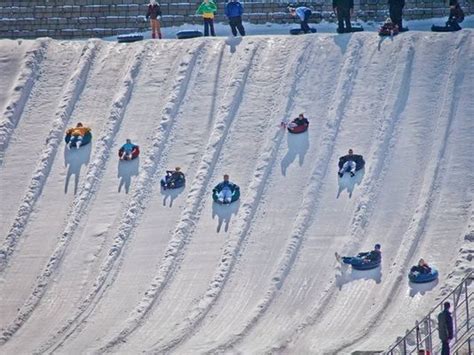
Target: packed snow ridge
{"points": [[96, 257]]}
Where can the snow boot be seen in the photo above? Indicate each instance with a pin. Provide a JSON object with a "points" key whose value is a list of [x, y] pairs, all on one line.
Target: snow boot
{"points": [[352, 174], [159, 35], [153, 35], [340, 174]]}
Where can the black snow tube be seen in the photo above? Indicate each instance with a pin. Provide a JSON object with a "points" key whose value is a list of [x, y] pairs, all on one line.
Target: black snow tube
{"points": [[169, 183], [299, 31], [358, 159], [133, 37], [355, 27], [435, 28], [235, 194], [188, 34], [386, 33]]}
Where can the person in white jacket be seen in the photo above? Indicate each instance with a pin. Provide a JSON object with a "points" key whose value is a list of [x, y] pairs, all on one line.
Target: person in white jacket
{"points": [[304, 13]]}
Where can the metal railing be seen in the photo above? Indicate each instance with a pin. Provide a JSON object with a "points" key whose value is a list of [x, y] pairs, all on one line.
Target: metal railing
{"points": [[423, 338]]}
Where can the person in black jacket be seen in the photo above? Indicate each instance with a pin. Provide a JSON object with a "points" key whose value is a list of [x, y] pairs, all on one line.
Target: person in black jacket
{"points": [[445, 328], [343, 9], [456, 15], [350, 163], [395, 9], [373, 256], [154, 14], [299, 121]]}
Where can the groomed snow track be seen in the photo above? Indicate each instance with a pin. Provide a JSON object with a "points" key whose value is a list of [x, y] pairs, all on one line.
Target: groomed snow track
{"points": [[95, 257]]}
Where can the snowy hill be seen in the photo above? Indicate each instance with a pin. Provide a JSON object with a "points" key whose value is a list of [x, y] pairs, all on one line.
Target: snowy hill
{"points": [[96, 257]]}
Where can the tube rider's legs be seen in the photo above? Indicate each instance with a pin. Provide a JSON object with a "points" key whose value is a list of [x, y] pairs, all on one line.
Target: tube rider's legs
{"points": [[155, 28]]}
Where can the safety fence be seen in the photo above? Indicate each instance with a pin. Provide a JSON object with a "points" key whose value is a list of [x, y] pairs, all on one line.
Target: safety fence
{"points": [[423, 338]]}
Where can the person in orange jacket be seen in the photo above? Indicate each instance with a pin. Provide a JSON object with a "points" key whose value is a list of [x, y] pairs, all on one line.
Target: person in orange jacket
{"points": [[77, 134]]}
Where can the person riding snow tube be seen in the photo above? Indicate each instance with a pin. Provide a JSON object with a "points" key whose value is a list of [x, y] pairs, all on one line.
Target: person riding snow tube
{"points": [[365, 260], [422, 273], [174, 179], [78, 136], [226, 192], [350, 163], [299, 125], [389, 28], [129, 151]]}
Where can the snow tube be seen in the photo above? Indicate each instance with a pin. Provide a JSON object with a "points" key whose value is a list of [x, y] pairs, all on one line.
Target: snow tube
{"points": [[235, 194], [367, 266], [358, 159], [355, 27], [188, 34], [73, 139], [418, 278], [299, 31], [435, 28], [299, 129], [135, 152], [385, 32], [132, 37], [176, 184]]}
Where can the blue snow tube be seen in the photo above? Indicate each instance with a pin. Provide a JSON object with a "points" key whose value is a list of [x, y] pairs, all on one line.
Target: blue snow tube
{"points": [[188, 34], [366, 265], [418, 278], [73, 139], [235, 194], [132, 37]]}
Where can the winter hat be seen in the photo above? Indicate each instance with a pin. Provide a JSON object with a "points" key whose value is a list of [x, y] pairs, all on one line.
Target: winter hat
{"points": [[388, 20], [153, 2]]}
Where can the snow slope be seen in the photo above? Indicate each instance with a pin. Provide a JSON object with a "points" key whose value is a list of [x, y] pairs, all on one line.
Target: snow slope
{"points": [[94, 257]]}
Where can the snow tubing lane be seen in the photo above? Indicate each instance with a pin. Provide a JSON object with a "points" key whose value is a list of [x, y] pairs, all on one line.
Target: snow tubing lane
{"points": [[419, 278], [443, 29], [299, 129], [188, 34], [135, 153], [299, 31], [177, 183], [367, 266], [129, 38], [86, 140], [235, 195]]}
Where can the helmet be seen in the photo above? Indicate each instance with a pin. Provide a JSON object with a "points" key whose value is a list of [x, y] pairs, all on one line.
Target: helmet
{"points": [[377, 246]]}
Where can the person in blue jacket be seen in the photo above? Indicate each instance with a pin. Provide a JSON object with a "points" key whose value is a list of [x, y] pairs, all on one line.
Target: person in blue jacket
{"points": [[225, 189], [127, 149], [304, 13], [233, 11]]}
